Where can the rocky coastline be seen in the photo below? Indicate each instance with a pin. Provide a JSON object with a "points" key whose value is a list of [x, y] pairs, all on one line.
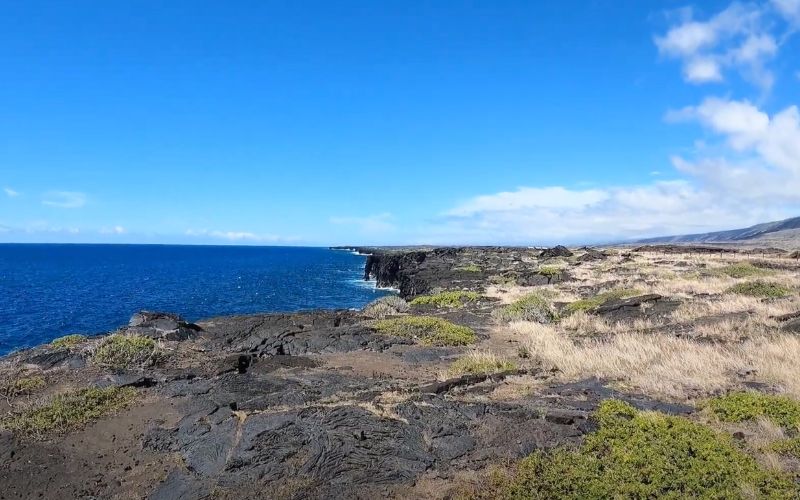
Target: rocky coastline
{"points": [[316, 404]]}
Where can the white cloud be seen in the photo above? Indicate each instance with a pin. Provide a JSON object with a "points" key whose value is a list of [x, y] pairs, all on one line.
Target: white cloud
{"points": [[10, 192], [64, 199], [238, 236], [379, 223], [755, 178], [526, 197], [113, 230], [702, 70], [737, 38], [790, 9]]}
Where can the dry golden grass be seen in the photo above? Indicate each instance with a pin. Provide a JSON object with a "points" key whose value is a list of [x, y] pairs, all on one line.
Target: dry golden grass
{"points": [[776, 360], [664, 365], [657, 364]]}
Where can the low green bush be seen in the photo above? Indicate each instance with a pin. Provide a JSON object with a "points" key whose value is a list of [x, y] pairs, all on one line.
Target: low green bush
{"points": [[480, 364], [22, 385], [741, 270], [471, 268], [427, 330], [68, 411], [592, 303], [550, 271], [456, 298], [789, 447], [68, 341], [759, 288], [532, 307], [642, 455], [126, 351], [742, 406]]}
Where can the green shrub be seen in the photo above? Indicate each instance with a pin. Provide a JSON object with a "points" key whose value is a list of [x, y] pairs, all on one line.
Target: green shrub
{"points": [[789, 447], [385, 306], [532, 307], [741, 406], [741, 270], [428, 330], [456, 298], [759, 288], [480, 363], [550, 271], [126, 351], [68, 411], [68, 341], [645, 455], [592, 303], [22, 385], [471, 268]]}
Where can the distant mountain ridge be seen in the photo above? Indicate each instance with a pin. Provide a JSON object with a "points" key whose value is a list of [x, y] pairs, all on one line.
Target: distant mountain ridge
{"points": [[734, 235]]}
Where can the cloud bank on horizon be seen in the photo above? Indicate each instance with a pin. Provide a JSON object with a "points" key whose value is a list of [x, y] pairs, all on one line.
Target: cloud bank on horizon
{"points": [[748, 173], [742, 168]]}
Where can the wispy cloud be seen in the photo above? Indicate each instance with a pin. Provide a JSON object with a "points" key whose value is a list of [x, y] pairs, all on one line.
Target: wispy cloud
{"points": [[113, 230], [738, 38], [10, 192], [64, 199], [239, 236], [379, 223]]}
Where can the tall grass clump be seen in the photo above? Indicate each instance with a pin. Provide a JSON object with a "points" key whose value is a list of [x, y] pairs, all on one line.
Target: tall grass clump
{"points": [[534, 307], [385, 306], [126, 351], [480, 363]]}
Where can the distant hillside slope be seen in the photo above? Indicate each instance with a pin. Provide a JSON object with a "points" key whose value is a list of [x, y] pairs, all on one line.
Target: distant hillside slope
{"points": [[783, 230]]}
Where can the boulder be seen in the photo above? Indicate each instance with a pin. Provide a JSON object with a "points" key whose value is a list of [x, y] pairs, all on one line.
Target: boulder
{"points": [[160, 325], [556, 251], [592, 255]]}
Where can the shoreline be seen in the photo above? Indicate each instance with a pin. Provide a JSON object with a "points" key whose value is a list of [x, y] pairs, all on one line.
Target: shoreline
{"points": [[317, 403]]}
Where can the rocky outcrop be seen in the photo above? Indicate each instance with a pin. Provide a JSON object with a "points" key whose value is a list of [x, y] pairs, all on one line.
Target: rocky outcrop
{"points": [[419, 271], [556, 251], [159, 325]]}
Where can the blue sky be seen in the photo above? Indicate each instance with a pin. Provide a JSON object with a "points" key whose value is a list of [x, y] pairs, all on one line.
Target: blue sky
{"points": [[395, 122]]}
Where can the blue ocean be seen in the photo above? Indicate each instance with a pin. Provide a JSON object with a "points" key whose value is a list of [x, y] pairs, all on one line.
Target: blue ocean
{"points": [[47, 291]]}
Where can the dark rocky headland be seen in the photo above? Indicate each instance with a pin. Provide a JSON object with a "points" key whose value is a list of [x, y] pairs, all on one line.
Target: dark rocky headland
{"points": [[426, 397]]}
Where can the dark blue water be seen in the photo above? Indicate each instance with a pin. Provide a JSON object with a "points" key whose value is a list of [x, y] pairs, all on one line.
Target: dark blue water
{"points": [[51, 290]]}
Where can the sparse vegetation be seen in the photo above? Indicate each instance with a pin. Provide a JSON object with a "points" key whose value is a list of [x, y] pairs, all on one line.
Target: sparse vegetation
{"points": [[22, 385], [470, 268], [760, 288], [480, 362], [385, 306], [789, 447], [550, 271], [531, 307], [455, 298], [741, 406], [68, 341], [741, 270], [592, 303], [126, 351], [68, 411], [427, 330], [644, 455]]}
